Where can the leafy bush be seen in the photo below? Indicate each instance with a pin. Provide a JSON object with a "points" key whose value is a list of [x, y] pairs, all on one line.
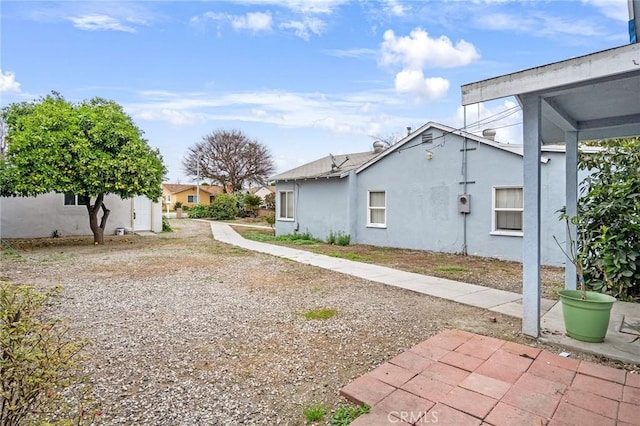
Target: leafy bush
{"points": [[343, 239], [199, 211], [608, 219], [339, 238], [271, 220], [38, 362], [165, 225], [177, 205], [331, 239], [270, 201], [224, 207]]}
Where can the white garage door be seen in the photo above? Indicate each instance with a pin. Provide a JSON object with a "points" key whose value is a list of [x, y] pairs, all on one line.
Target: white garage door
{"points": [[141, 214]]}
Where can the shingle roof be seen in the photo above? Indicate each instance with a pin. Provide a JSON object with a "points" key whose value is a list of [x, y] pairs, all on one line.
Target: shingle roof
{"points": [[327, 167], [175, 188]]}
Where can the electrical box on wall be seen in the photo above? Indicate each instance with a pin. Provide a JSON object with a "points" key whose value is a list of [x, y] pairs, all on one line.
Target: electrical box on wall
{"points": [[464, 203]]}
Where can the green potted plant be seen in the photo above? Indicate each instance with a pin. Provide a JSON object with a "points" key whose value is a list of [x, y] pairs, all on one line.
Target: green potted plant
{"points": [[586, 313]]}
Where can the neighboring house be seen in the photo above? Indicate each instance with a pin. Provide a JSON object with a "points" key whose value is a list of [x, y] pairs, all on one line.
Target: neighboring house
{"points": [[262, 192], [426, 192], [34, 217], [188, 194]]}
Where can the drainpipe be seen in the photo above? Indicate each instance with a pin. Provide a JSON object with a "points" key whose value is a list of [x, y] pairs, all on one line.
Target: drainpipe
{"points": [[464, 182]]}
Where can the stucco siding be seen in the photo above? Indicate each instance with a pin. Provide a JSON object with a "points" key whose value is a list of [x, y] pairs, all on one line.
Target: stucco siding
{"points": [[35, 217], [422, 184], [320, 207]]}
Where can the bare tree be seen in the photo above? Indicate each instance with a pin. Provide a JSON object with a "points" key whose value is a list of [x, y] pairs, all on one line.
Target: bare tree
{"points": [[230, 158]]}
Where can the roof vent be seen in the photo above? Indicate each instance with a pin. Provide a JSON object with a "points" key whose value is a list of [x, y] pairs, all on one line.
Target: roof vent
{"points": [[489, 134], [378, 147]]}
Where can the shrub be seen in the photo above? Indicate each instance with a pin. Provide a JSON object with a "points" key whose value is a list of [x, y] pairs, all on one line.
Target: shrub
{"points": [[343, 239], [331, 239], [270, 201], [199, 211], [165, 225], [177, 205], [224, 207], [608, 219], [339, 238], [38, 361]]}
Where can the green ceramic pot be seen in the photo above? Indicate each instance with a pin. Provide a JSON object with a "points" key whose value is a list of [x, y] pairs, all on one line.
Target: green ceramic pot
{"points": [[586, 320]]}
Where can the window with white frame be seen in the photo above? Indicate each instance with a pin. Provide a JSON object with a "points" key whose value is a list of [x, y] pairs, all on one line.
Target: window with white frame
{"points": [[507, 210], [377, 209], [285, 209], [71, 199], [192, 199]]}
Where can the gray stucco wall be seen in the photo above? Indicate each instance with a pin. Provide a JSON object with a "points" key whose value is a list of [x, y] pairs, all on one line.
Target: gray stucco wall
{"points": [[321, 207], [422, 200], [34, 217]]}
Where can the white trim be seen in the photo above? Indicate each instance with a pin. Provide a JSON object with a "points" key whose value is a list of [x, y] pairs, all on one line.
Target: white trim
{"points": [[369, 208], [289, 193], [494, 229]]}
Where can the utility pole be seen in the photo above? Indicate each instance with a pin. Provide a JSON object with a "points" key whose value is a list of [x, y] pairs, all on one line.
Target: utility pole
{"points": [[198, 182]]}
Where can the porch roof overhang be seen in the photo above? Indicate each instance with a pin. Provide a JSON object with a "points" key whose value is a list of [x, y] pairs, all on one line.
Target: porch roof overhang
{"points": [[597, 95], [591, 97]]}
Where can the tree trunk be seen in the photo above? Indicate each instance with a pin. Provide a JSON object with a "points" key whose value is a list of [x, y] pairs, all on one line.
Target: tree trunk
{"points": [[98, 228]]}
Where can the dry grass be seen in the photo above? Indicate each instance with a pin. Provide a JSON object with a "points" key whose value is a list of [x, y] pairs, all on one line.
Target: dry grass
{"points": [[494, 273]]}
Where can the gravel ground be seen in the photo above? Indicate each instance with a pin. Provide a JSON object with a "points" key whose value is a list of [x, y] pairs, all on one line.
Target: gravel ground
{"points": [[188, 331]]}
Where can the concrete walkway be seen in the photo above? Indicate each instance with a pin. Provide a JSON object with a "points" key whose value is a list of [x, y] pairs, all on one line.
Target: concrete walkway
{"points": [[616, 346]]}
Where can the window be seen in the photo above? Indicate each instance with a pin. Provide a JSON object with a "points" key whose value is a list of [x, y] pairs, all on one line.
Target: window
{"points": [[377, 209], [192, 199], [507, 211], [71, 199], [285, 210]]}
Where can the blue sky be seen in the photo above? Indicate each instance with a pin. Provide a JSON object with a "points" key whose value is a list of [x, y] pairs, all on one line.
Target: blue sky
{"points": [[304, 77]]}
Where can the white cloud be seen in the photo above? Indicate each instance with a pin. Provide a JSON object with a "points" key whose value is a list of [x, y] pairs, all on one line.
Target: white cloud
{"points": [[418, 50], [395, 8], [355, 113], [351, 53], [614, 9], [413, 81], [8, 82], [304, 28], [539, 24], [253, 21], [301, 6], [99, 23]]}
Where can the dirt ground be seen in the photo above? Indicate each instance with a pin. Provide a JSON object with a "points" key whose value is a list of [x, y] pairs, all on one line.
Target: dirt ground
{"points": [[187, 330], [494, 273]]}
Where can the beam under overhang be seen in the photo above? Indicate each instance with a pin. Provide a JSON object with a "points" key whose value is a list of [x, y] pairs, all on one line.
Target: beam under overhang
{"points": [[552, 111]]}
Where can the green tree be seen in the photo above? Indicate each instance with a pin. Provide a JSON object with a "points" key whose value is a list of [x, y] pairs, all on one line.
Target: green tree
{"points": [[608, 219], [91, 148], [270, 201], [224, 207]]}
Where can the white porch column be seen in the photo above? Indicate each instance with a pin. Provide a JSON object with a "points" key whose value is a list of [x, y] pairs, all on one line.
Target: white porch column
{"points": [[571, 173], [532, 115]]}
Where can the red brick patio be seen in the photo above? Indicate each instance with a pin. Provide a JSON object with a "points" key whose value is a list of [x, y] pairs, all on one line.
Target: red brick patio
{"points": [[460, 378]]}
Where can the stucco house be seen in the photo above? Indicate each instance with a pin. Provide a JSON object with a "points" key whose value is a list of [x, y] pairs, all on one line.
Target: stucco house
{"points": [[187, 194], [437, 189], [35, 217]]}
